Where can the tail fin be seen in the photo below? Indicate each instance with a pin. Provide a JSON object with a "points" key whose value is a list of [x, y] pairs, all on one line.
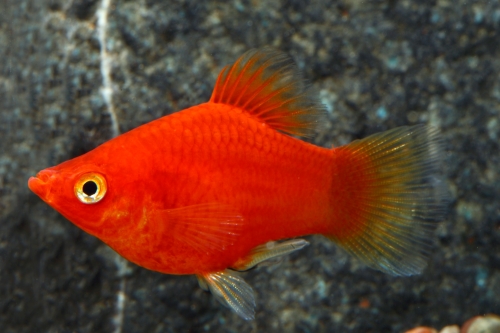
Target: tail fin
{"points": [[389, 198]]}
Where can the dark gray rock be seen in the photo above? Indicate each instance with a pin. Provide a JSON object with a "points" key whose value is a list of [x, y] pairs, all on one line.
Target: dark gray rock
{"points": [[375, 64]]}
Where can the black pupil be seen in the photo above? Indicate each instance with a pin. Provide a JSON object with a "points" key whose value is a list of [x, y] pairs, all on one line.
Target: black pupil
{"points": [[90, 188]]}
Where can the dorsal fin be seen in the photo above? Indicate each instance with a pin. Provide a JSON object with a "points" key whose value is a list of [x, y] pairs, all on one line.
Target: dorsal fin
{"points": [[267, 84]]}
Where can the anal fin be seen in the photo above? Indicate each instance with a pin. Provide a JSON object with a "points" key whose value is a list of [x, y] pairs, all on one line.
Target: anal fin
{"points": [[269, 252], [231, 290]]}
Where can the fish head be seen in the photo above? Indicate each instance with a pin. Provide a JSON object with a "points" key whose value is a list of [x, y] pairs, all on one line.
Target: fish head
{"points": [[85, 192]]}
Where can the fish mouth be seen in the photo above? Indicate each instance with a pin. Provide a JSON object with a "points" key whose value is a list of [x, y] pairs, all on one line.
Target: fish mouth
{"points": [[40, 184]]}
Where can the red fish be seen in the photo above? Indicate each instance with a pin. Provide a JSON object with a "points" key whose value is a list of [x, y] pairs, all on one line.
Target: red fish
{"points": [[223, 186]]}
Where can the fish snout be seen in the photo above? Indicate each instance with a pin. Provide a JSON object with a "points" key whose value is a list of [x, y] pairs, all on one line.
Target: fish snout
{"points": [[41, 183]]}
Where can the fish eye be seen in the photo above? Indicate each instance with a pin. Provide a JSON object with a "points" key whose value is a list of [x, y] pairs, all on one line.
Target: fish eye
{"points": [[90, 188]]}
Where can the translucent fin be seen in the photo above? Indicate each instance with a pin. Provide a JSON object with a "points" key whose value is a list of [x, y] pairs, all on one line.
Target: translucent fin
{"points": [[269, 251], [232, 291], [267, 84], [202, 282], [389, 198], [207, 228]]}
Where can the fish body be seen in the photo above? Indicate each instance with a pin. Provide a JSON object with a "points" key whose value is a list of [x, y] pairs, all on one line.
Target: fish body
{"points": [[209, 153], [206, 189]]}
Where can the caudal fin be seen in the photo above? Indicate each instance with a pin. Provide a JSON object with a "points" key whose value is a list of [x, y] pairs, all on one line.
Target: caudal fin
{"points": [[389, 196]]}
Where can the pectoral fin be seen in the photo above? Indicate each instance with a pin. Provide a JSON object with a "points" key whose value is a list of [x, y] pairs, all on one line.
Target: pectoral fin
{"points": [[209, 228], [231, 290]]}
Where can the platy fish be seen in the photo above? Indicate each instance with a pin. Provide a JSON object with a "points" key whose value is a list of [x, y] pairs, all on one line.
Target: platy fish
{"points": [[226, 185]]}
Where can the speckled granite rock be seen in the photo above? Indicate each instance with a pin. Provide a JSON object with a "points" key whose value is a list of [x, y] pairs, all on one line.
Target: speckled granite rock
{"points": [[375, 64]]}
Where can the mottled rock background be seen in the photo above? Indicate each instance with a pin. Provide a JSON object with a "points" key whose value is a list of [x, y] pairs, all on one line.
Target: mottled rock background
{"points": [[376, 65]]}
